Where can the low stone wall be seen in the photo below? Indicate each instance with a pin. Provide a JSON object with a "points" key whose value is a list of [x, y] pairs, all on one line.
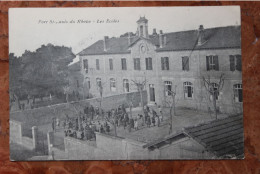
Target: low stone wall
{"points": [[16, 136], [44, 115]]}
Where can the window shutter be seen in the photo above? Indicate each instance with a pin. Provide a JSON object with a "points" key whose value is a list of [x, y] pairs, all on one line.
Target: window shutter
{"points": [[239, 64], [135, 63], [146, 63], [232, 63], [216, 63], [186, 63], [167, 63], [207, 63], [138, 64], [151, 63], [162, 62]]}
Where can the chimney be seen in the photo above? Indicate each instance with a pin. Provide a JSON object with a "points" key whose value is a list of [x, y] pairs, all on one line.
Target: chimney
{"points": [[161, 38], [105, 43], [201, 37], [164, 40], [129, 38], [154, 31]]}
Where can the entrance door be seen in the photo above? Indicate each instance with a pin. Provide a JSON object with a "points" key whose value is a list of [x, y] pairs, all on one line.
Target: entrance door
{"points": [[152, 93]]}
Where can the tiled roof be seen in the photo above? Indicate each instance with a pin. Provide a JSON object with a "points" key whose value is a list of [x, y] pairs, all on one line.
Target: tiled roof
{"points": [[215, 38], [223, 137]]}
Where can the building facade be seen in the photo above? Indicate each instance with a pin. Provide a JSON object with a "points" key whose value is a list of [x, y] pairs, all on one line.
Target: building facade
{"points": [[165, 62]]}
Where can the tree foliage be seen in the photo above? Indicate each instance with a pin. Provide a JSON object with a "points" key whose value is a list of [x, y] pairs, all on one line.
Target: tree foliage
{"points": [[40, 72]]}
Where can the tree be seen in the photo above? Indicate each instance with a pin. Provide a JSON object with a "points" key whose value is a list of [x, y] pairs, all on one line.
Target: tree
{"points": [[112, 121], [214, 90], [41, 72], [140, 85], [172, 106], [100, 87]]}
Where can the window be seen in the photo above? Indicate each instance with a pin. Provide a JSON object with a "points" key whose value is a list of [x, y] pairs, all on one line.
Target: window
{"points": [[87, 81], [123, 62], [238, 95], [85, 65], [98, 82], [212, 63], [185, 63], [141, 30], [168, 88], [97, 64], [112, 85], [188, 89], [111, 64], [235, 62], [165, 63], [137, 65], [149, 63], [126, 85], [214, 89]]}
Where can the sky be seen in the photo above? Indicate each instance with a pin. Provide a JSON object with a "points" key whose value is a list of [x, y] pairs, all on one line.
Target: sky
{"points": [[29, 28]]}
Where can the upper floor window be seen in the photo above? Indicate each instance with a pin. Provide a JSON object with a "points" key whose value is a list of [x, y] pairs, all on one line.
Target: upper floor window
{"points": [[149, 63], [188, 89], [137, 65], [111, 64], [165, 63], [185, 63], [168, 88], [85, 65], [238, 95], [126, 85], [112, 85], [212, 63], [97, 64], [235, 62], [123, 62]]}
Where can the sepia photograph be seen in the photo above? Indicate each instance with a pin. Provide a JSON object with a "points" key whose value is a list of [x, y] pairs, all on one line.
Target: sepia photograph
{"points": [[125, 83]]}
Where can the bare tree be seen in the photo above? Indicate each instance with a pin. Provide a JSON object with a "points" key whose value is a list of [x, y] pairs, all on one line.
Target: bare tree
{"points": [[100, 87], [172, 104], [112, 121], [214, 91], [140, 85]]}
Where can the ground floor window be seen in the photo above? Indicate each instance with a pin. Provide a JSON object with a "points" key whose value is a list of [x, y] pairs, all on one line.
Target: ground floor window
{"points": [[152, 92], [238, 95], [188, 89], [126, 85], [87, 82], [168, 88], [98, 82], [214, 90], [112, 85]]}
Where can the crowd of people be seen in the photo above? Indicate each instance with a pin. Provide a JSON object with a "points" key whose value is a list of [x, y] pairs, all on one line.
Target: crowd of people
{"points": [[95, 119]]}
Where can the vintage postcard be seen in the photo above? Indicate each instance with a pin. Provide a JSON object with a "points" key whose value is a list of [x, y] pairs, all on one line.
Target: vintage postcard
{"points": [[132, 83]]}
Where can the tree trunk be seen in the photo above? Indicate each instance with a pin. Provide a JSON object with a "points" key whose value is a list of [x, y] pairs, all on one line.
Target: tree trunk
{"points": [[141, 96], [215, 104]]}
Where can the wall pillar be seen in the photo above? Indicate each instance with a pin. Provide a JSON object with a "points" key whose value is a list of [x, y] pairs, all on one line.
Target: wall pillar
{"points": [[35, 137], [50, 141]]}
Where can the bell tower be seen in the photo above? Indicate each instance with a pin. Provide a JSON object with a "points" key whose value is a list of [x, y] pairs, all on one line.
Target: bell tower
{"points": [[142, 27]]}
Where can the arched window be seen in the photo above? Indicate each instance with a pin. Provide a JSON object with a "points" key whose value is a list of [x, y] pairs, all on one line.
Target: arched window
{"points": [[87, 82], [112, 84], [188, 89], [168, 88], [126, 85], [98, 82], [238, 95]]}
